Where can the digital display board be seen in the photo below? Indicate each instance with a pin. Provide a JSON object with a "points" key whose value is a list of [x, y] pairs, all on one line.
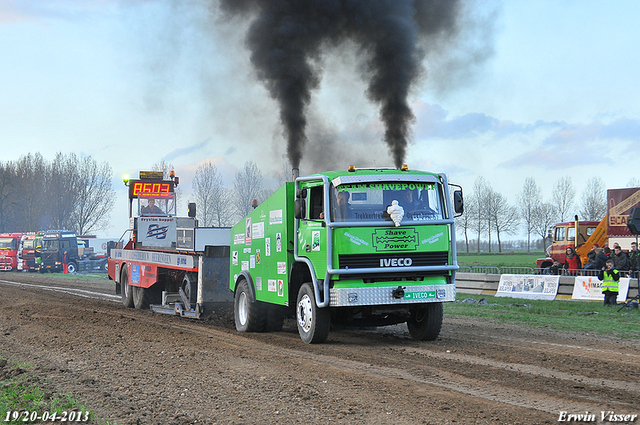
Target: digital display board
{"points": [[137, 187]]}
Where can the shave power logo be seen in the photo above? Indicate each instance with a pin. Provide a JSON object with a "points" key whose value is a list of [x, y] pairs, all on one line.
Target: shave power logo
{"points": [[405, 239], [157, 232]]}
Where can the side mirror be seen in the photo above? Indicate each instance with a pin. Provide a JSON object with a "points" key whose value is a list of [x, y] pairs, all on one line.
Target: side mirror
{"points": [[299, 209], [458, 202], [302, 193]]}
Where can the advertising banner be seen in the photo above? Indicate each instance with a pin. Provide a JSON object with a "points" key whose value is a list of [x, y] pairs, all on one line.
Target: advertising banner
{"points": [[157, 231], [535, 287], [619, 203], [590, 288]]}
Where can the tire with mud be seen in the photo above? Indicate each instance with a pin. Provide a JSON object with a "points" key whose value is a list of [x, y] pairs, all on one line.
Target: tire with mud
{"points": [[127, 295], [425, 321], [313, 322], [141, 297], [247, 312]]}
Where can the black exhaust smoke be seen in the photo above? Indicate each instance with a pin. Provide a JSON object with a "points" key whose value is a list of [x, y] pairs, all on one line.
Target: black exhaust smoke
{"points": [[287, 36]]}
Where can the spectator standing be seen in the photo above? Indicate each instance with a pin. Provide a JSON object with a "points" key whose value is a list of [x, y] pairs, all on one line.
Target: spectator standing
{"points": [[65, 263], [601, 259], [620, 261], [634, 260], [610, 278], [556, 268], [572, 262]]}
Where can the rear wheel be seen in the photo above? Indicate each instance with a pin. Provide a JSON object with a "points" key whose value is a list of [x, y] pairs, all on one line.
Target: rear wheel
{"points": [[425, 321], [127, 295], [313, 322], [248, 313], [141, 297]]}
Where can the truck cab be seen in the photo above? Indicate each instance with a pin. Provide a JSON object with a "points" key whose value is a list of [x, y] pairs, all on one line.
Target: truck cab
{"points": [[574, 234], [369, 246], [54, 245], [9, 243]]}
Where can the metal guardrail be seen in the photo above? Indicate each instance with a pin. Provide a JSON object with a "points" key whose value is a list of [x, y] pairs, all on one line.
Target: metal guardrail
{"points": [[496, 270]]}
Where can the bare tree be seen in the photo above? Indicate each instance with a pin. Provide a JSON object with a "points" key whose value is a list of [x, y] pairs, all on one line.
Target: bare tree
{"points": [[634, 182], [529, 200], [95, 198], [476, 207], [247, 187], [32, 172], [212, 198], [545, 217], [503, 217], [463, 223], [166, 169], [8, 179], [594, 200], [563, 197], [61, 188]]}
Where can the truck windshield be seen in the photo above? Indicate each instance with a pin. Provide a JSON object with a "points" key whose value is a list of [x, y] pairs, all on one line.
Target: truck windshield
{"points": [[156, 204], [29, 244], [7, 243], [50, 244], [420, 201]]}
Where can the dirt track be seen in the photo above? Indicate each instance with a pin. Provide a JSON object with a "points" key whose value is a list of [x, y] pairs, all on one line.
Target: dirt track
{"points": [[138, 367]]}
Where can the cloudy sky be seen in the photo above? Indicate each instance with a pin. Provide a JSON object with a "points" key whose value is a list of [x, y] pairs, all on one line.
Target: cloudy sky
{"points": [[541, 89]]}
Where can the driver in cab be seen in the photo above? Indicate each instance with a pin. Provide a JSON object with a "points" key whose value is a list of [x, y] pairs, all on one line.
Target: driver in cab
{"points": [[151, 208], [409, 200]]}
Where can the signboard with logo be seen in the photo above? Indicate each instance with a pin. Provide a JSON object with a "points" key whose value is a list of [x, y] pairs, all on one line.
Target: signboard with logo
{"points": [[619, 203], [157, 232], [590, 288], [535, 287]]}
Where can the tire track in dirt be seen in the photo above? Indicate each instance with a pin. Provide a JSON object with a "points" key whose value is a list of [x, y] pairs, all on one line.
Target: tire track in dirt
{"points": [[411, 360]]}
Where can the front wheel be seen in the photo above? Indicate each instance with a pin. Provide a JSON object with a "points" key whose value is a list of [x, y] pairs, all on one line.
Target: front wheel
{"points": [[248, 313], [425, 321], [71, 267], [313, 322]]}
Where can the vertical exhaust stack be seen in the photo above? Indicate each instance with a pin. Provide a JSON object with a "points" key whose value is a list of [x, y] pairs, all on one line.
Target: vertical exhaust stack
{"points": [[295, 173]]}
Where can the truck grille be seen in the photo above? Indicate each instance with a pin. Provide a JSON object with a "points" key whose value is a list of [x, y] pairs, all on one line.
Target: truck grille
{"points": [[359, 261]]}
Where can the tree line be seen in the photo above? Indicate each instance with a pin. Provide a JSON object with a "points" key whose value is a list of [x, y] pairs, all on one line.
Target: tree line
{"points": [[69, 192], [220, 206], [488, 213]]}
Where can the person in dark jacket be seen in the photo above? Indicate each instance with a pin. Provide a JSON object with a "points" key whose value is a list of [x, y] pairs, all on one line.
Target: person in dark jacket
{"points": [[601, 259], [620, 260], [634, 260]]}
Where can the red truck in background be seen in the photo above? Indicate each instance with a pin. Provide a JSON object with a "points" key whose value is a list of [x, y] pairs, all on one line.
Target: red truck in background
{"points": [[29, 251], [9, 243], [611, 229]]}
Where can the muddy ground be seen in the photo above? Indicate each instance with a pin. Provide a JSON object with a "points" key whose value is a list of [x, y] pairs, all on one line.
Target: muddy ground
{"points": [[139, 367]]}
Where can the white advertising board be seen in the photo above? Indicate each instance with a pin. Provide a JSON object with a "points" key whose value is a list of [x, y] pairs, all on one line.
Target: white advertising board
{"points": [[535, 287], [157, 231], [590, 288]]}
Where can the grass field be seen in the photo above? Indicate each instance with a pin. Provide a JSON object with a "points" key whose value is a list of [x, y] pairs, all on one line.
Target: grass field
{"points": [[503, 259], [577, 316]]}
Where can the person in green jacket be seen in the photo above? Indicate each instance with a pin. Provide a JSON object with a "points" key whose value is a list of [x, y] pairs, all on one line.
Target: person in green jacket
{"points": [[610, 278]]}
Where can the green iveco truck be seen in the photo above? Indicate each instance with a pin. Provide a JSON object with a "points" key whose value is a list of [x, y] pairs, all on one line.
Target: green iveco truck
{"points": [[362, 246]]}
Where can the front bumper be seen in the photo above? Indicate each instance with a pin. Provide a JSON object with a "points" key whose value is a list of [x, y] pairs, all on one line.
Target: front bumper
{"points": [[391, 295]]}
